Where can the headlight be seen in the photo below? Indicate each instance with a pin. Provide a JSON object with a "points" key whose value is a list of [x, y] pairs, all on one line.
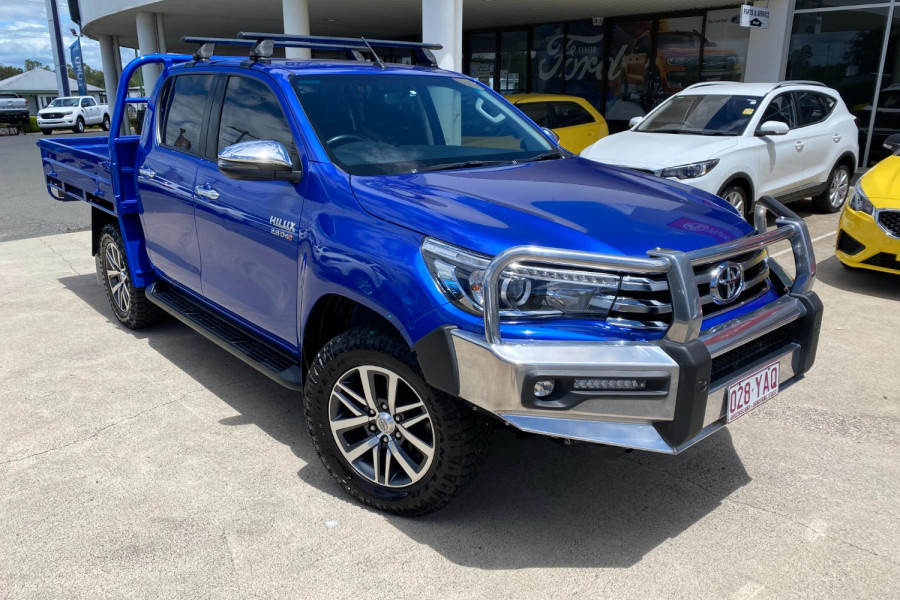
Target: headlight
{"points": [[525, 290], [860, 202], [690, 171], [67, 112], [676, 60]]}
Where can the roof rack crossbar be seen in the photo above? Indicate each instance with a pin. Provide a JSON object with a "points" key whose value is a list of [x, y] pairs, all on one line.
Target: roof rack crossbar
{"points": [[354, 48], [421, 50]]}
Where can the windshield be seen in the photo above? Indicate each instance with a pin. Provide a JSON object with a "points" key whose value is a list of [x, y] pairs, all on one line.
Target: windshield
{"points": [[392, 124], [64, 102], [702, 115]]}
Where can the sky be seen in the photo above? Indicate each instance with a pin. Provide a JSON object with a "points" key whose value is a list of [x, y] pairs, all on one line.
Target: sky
{"points": [[24, 33]]}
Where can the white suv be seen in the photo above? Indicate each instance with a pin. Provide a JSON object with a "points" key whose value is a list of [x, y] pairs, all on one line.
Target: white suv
{"points": [[745, 140]]}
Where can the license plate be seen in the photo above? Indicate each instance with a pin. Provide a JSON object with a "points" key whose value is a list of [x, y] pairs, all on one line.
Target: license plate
{"points": [[753, 390]]}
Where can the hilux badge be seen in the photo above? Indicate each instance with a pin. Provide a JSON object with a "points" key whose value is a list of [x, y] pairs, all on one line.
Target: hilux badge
{"points": [[726, 282], [282, 227]]}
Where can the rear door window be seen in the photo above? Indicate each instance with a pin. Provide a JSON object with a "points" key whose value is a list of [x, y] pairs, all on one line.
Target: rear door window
{"points": [[251, 111], [184, 107], [812, 108], [539, 112], [570, 114]]}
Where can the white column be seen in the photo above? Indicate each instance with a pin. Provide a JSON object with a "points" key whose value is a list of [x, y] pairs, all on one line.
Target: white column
{"points": [[160, 34], [442, 24], [110, 72], [148, 43], [768, 51], [296, 21]]}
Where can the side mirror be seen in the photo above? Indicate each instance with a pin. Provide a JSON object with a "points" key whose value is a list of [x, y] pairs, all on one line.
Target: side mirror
{"points": [[892, 142], [260, 160], [551, 133], [773, 128], [634, 122]]}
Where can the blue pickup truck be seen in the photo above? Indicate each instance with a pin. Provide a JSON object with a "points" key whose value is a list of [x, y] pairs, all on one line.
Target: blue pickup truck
{"points": [[423, 262]]}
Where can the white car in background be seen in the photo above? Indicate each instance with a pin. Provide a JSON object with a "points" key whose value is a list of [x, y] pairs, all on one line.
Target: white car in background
{"points": [[742, 141], [73, 112]]}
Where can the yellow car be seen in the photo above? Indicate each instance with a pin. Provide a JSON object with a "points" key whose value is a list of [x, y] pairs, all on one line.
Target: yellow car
{"points": [[572, 118], [869, 230]]}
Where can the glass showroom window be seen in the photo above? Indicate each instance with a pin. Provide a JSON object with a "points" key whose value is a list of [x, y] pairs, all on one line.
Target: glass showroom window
{"points": [[845, 50]]}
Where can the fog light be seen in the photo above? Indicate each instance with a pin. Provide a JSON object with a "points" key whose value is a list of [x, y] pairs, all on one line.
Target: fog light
{"points": [[544, 388], [610, 384]]}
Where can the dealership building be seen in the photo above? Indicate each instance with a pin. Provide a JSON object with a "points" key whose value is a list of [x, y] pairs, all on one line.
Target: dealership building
{"points": [[624, 56]]}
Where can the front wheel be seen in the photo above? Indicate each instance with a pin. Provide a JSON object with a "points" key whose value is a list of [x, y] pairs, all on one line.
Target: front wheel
{"points": [[79, 125], [832, 199], [387, 437], [46, 131], [105, 124], [736, 196], [129, 303]]}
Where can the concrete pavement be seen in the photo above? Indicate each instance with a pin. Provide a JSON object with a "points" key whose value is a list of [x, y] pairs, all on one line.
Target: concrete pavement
{"points": [[152, 464]]}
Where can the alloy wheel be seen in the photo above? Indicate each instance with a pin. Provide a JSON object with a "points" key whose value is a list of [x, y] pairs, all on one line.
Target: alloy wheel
{"points": [[381, 426], [840, 185], [117, 276]]}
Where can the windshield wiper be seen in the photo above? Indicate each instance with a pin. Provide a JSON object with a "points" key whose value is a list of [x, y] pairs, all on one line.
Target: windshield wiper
{"points": [[547, 156], [468, 164]]}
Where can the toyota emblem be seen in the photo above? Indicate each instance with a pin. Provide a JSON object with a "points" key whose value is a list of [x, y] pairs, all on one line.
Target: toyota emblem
{"points": [[726, 282]]}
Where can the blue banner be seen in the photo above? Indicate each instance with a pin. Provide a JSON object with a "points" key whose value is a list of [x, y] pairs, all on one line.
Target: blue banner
{"points": [[78, 66]]}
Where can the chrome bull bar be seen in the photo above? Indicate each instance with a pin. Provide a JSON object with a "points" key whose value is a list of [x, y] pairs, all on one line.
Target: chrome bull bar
{"points": [[687, 315]]}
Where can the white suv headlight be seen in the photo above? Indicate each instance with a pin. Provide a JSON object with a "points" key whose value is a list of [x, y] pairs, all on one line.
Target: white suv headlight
{"points": [[691, 171], [525, 290]]}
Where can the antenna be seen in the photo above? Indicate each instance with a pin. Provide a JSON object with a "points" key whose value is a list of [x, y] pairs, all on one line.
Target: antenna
{"points": [[378, 60]]}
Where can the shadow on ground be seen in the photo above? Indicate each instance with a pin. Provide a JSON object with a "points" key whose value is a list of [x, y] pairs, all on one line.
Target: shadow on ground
{"points": [[860, 281], [534, 504]]}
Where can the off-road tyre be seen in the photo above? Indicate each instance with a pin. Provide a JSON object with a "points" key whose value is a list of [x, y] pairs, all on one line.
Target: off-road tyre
{"points": [[836, 191], [79, 126], [129, 304], [104, 125], [460, 434]]}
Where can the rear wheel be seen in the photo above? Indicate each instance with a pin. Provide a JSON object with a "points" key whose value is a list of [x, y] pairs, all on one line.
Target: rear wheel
{"points": [[387, 437], [129, 304], [79, 126], [105, 124], [736, 196], [835, 194]]}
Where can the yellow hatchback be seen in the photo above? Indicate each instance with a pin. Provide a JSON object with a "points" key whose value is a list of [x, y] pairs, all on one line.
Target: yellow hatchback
{"points": [[572, 118], [869, 230]]}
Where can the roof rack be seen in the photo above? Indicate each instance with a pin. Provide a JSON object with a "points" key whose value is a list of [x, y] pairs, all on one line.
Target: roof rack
{"points": [[263, 44], [797, 82]]}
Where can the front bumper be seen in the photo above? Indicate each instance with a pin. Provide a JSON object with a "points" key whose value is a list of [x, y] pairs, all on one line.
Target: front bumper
{"points": [[863, 243], [687, 372], [63, 122]]}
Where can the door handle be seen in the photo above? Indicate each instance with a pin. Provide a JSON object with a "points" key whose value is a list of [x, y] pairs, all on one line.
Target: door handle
{"points": [[206, 191], [799, 146], [147, 172], [836, 138]]}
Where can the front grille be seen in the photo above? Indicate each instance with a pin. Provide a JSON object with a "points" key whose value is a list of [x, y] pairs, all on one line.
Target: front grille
{"points": [[644, 301], [52, 116], [884, 260], [890, 220], [847, 244], [734, 361]]}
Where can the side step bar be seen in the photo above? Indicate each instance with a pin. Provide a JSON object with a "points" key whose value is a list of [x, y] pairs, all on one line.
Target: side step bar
{"points": [[258, 353]]}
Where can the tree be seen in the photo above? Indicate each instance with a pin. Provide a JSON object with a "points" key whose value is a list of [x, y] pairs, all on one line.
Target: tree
{"points": [[30, 64], [91, 76], [7, 71]]}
